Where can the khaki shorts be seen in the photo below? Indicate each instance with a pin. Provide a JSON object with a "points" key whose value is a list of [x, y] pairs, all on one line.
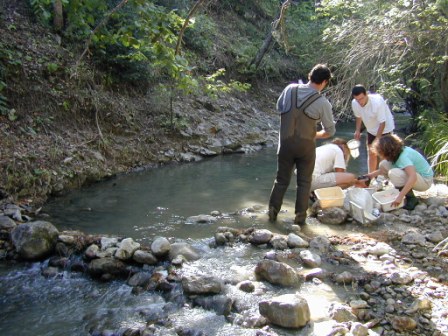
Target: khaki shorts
{"points": [[398, 177], [323, 181]]}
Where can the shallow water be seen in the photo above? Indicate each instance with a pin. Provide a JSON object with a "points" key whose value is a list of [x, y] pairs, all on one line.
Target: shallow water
{"points": [[157, 202], [153, 203]]}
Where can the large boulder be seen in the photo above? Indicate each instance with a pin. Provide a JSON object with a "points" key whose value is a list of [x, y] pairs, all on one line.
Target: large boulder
{"points": [[277, 273], [288, 311], [34, 240]]}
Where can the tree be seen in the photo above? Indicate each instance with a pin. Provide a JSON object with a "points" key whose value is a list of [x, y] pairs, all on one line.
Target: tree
{"points": [[400, 45], [269, 39]]}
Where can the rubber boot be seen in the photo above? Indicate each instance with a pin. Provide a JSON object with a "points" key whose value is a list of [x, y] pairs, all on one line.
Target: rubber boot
{"points": [[272, 213], [411, 201]]}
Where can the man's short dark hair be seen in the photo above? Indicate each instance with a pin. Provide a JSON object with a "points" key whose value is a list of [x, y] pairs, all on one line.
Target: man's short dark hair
{"points": [[358, 89], [319, 73]]}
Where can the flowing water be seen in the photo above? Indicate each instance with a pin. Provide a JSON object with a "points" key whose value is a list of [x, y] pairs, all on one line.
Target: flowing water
{"points": [[152, 203]]}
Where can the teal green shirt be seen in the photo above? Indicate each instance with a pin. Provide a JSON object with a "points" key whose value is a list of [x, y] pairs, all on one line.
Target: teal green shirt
{"points": [[410, 157]]}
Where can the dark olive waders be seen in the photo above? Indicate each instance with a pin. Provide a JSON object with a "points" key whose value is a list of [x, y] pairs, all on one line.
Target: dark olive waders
{"points": [[297, 149]]}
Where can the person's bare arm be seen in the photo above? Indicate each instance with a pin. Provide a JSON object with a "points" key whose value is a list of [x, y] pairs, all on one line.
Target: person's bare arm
{"points": [[357, 134]]}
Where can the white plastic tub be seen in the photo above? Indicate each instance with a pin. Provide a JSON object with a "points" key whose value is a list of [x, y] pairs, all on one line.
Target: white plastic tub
{"points": [[386, 197], [330, 197]]}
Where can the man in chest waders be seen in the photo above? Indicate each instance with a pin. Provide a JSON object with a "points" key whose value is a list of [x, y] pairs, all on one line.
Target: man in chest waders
{"points": [[301, 108]]}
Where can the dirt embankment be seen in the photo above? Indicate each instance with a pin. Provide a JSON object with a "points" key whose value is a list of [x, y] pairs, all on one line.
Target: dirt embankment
{"points": [[65, 127]]}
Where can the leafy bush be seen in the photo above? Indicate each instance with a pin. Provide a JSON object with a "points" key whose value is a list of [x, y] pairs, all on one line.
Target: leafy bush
{"points": [[435, 140]]}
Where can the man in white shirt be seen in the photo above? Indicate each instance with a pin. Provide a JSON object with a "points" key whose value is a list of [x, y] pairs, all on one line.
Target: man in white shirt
{"points": [[372, 111], [330, 169]]}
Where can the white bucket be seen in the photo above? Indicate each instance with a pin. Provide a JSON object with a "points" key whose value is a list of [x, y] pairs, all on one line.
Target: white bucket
{"points": [[353, 145]]}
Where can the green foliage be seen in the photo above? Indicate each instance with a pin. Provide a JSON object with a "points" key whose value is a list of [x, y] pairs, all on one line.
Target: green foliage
{"points": [[52, 67], [199, 36], [214, 84], [435, 140], [400, 46], [42, 9]]}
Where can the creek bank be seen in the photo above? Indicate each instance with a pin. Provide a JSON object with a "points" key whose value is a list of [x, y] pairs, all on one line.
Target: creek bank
{"points": [[398, 270], [62, 132]]}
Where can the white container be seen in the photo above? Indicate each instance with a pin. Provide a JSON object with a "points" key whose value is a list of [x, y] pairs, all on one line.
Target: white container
{"points": [[353, 145], [360, 215], [330, 197], [385, 199]]}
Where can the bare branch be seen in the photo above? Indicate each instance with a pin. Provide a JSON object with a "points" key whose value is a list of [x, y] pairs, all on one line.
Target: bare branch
{"points": [[185, 25]]}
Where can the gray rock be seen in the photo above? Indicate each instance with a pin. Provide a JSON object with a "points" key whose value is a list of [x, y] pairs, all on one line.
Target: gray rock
{"points": [[288, 311], [435, 237], [401, 278], [141, 279], [310, 259], [189, 252], [259, 237], [296, 241], [277, 273], [403, 323], [201, 219], [341, 313], [203, 284], [91, 252], [246, 286], [220, 304], [320, 243], [112, 266], [107, 242], [332, 216], [160, 247], [279, 242], [412, 237], [34, 240], [126, 249], [144, 257], [6, 223]]}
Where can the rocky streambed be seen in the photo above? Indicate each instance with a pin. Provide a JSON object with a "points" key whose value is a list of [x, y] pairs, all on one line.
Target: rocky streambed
{"points": [[391, 278]]}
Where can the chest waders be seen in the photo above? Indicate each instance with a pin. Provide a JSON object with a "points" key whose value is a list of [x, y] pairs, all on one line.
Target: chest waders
{"points": [[297, 149]]}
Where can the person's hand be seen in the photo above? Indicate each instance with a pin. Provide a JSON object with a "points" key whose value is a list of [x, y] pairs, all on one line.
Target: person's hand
{"points": [[397, 201], [357, 135], [362, 181]]}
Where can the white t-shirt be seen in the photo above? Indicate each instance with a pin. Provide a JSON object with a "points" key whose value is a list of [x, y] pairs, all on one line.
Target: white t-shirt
{"points": [[374, 113], [328, 158]]}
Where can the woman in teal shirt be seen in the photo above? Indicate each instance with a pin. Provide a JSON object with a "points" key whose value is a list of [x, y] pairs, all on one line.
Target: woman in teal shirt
{"points": [[406, 168]]}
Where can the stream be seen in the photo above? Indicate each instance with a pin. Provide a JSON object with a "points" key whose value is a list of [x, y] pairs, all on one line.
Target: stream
{"points": [[151, 203]]}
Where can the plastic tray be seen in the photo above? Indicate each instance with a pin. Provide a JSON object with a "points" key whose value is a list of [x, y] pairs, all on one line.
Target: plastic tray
{"points": [[330, 197], [385, 199]]}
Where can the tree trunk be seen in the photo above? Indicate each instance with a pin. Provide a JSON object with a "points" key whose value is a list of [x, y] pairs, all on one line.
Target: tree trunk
{"points": [[444, 87], [58, 16], [269, 38], [262, 51]]}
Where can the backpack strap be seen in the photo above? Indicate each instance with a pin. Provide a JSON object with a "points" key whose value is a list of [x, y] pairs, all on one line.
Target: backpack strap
{"points": [[307, 102]]}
